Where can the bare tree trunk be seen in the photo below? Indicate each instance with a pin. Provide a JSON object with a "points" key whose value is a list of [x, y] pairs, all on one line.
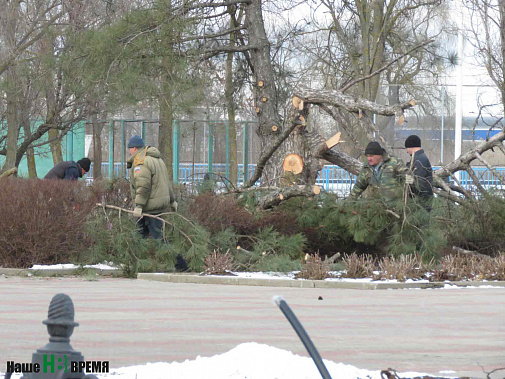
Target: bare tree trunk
{"points": [[229, 90], [13, 103], [166, 124], [46, 47], [30, 153], [55, 144], [501, 9], [269, 124], [97, 146]]}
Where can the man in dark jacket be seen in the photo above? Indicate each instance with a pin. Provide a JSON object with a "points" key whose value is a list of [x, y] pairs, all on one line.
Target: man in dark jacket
{"points": [[421, 168], [69, 170]]}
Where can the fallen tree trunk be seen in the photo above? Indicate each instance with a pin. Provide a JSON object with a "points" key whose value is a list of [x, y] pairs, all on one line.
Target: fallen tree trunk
{"points": [[353, 104], [464, 160], [276, 197]]}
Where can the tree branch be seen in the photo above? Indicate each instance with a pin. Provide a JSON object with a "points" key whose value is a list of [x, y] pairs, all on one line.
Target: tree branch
{"points": [[349, 85]]}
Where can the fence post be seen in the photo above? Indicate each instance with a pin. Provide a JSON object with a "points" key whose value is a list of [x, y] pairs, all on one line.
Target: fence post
{"points": [[175, 152], [123, 148], [211, 146], [70, 146], [111, 149], [245, 152], [227, 123], [442, 127], [143, 130]]}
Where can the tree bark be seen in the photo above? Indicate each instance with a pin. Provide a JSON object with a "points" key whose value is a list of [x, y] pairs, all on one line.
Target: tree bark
{"points": [[46, 47], [166, 124], [276, 197], [353, 104], [229, 90], [13, 121], [269, 125], [30, 152], [55, 144], [97, 146]]}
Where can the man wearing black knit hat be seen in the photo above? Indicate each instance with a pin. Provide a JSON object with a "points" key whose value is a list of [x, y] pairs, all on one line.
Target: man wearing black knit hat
{"points": [[421, 168], [383, 174], [69, 170]]}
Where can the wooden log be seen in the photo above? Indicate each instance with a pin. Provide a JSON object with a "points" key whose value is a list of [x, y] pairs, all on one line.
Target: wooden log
{"points": [[461, 251], [293, 163]]}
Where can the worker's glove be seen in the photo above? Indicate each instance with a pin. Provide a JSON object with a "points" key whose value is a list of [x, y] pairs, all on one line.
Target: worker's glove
{"points": [[409, 179], [137, 212], [174, 206]]}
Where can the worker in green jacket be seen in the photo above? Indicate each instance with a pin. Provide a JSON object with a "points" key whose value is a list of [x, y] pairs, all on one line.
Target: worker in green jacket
{"points": [[385, 175], [150, 186], [151, 191]]}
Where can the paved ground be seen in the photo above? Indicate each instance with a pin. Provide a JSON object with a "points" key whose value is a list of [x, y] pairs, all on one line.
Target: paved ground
{"points": [[134, 321]]}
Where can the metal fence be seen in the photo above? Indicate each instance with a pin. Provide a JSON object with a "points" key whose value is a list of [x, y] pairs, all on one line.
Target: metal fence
{"points": [[331, 178]]}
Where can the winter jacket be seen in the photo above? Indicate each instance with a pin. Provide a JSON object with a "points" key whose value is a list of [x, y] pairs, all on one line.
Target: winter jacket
{"points": [[423, 175], [149, 182], [387, 182], [68, 170]]}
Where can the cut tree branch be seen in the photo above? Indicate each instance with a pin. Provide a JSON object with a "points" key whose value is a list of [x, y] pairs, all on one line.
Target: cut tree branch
{"points": [[275, 198], [353, 104], [464, 160]]}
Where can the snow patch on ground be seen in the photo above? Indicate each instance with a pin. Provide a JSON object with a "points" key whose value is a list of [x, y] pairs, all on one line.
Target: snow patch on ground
{"points": [[66, 266], [268, 275], [248, 360]]}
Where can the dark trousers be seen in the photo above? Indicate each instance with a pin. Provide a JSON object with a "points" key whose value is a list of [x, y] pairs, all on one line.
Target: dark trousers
{"points": [[150, 227]]}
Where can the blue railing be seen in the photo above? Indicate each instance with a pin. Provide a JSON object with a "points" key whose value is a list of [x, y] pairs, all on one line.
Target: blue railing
{"points": [[331, 178]]}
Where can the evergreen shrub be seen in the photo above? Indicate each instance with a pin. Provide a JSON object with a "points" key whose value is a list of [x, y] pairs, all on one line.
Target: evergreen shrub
{"points": [[478, 225], [116, 240], [367, 226]]}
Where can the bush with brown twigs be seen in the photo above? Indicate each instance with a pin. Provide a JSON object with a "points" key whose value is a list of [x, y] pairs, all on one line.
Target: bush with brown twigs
{"points": [[44, 220], [359, 266], [217, 213], [217, 263], [452, 267], [112, 192], [403, 267], [315, 268], [470, 267]]}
